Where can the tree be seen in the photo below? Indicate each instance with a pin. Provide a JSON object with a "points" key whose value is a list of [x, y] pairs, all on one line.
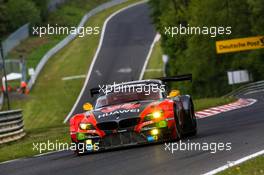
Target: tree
{"points": [[21, 12], [3, 20], [196, 54]]}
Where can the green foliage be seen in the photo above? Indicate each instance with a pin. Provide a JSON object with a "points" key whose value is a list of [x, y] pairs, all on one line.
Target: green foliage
{"points": [[3, 20], [71, 12], [21, 12], [196, 54], [42, 6], [254, 166]]}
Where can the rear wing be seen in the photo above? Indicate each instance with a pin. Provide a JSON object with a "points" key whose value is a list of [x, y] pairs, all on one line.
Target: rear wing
{"points": [[94, 91], [186, 77]]}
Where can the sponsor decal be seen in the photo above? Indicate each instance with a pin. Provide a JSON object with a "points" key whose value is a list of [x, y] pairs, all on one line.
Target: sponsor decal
{"points": [[121, 111], [240, 44], [122, 106]]}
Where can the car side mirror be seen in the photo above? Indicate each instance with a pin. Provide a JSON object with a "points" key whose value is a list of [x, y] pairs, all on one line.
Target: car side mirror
{"points": [[174, 93], [87, 107]]}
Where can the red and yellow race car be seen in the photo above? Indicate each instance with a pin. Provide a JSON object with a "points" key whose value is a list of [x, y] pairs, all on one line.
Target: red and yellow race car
{"points": [[133, 113]]}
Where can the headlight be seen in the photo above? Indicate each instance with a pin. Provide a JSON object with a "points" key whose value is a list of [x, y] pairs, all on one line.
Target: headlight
{"points": [[86, 126], [157, 114], [154, 115]]}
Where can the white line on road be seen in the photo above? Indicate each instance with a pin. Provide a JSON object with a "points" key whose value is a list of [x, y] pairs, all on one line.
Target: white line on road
{"points": [[125, 70], [156, 39], [234, 163], [96, 55], [153, 70], [98, 73], [73, 77]]}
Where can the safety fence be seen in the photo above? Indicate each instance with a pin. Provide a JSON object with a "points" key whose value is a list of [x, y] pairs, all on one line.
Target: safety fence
{"points": [[54, 4], [15, 38], [68, 39], [248, 89], [11, 126]]}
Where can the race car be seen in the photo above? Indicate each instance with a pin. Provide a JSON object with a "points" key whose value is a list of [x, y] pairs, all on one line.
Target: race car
{"points": [[133, 113]]}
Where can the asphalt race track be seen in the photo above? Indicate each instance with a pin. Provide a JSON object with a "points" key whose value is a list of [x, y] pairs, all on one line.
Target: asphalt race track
{"points": [[126, 44], [244, 128]]}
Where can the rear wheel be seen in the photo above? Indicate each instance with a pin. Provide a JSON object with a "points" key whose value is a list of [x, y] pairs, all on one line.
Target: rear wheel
{"points": [[189, 125], [178, 128], [192, 123]]}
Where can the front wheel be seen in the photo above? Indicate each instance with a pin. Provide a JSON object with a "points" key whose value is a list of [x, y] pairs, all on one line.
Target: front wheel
{"points": [[78, 149]]}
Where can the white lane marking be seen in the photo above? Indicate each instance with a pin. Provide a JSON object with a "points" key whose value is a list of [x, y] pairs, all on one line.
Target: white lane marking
{"points": [[38, 155], [234, 163], [98, 73], [10, 161], [125, 70], [156, 39], [96, 55], [253, 92], [153, 70], [48, 153], [73, 77]]}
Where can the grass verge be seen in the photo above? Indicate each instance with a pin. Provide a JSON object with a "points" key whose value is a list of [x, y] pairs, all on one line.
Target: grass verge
{"points": [[69, 14], [206, 103], [155, 64], [253, 167]]}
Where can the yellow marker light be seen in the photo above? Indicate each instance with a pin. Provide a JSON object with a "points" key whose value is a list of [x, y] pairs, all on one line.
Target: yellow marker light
{"points": [[154, 132], [156, 114], [89, 142]]}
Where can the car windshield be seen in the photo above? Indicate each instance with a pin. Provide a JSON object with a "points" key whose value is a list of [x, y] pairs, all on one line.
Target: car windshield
{"points": [[115, 98]]}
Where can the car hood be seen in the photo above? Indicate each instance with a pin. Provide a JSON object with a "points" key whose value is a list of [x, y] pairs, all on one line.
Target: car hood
{"points": [[121, 112]]}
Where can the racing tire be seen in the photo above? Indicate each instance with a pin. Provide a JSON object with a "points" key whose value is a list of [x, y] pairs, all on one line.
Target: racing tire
{"points": [[190, 124], [191, 120], [178, 128]]}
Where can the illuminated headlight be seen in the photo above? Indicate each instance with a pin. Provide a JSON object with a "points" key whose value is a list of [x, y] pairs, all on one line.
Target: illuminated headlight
{"points": [[157, 114], [86, 126], [154, 115]]}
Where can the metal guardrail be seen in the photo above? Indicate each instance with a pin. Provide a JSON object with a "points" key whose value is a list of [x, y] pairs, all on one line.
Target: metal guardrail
{"points": [[54, 4], [15, 38], [11, 126], [248, 89], [69, 38], [1, 100]]}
